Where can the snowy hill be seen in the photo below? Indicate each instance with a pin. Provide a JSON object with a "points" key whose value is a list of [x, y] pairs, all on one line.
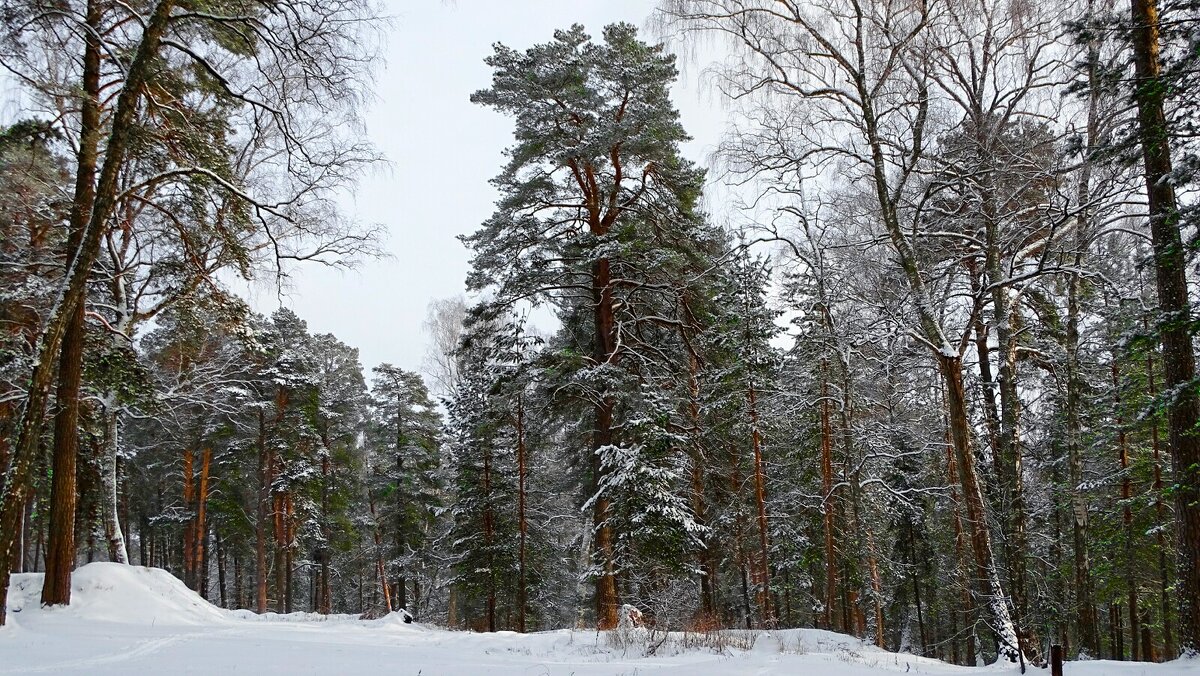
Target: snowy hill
{"points": [[127, 619]]}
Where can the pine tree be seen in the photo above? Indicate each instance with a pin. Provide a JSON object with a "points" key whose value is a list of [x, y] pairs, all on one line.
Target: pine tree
{"points": [[339, 418], [744, 370], [594, 193]]}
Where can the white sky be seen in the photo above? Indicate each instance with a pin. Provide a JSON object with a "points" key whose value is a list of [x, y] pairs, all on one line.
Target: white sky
{"points": [[442, 151]]}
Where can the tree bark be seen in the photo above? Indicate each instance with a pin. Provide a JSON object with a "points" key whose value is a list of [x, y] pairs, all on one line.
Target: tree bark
{"points": [[1170, 266], [189, 529], [289, 534], [489, 537], [1085, 605], [281, 548], [262, 514], [201, 529], [705, 556], [960, 548], [60, 544], [380, 566], [1127, 518], [1085, 610], [221, 568], [828, 503], [981, 545], [325, 600], [1007, 442], [760, 500], [1164, 570], [401, 586], [110, 461], [949, 365], [987, 380], [876, 589], [111, 481], [50, 341], [605, 352], [60, 539], [522, 525]]}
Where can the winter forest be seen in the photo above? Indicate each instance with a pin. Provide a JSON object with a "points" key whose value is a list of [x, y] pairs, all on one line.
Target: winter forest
{"points": [[908, 356]]}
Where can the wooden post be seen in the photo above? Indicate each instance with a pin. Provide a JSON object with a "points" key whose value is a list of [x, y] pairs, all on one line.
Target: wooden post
{"points": [[1056, 660]]}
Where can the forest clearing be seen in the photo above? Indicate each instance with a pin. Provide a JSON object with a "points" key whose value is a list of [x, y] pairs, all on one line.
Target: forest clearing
{"points": [[608, 336], [144, 621]]}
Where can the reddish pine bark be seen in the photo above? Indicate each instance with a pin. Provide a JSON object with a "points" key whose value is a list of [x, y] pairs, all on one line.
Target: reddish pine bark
{"points": [[763, 572], [60, 544], [1170, 267], [201, 527], [49, 344], [827, 500]]}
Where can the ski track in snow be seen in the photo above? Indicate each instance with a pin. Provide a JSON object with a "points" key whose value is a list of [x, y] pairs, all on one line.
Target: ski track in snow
{"points": [[88, 664]]}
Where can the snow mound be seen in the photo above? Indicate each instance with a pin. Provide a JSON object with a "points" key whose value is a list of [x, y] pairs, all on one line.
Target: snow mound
{"points": [[397, 620], [112, 592], [296, 617]]}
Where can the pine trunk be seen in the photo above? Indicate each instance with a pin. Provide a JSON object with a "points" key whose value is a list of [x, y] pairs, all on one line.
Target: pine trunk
{"points": [[49, 343], [981, 543], [705, 556], [489, 538], [401, 586], [289, 532], [1127, 518], [760, 500], [324, 600], [222, 589], [827, 500], [263, 514], [1164, 570], [876, 589], [60, 543], [522, 525], [1179, 363], [602, 436], [60, 540], [201, 529], [281, 568], [189, 529], [380, 566], [1085, 605]]}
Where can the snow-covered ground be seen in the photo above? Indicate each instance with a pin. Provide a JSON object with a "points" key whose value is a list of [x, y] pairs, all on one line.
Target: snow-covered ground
{"points": [[131, 620]]}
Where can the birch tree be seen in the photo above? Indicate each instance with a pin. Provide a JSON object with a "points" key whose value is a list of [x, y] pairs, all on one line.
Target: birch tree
{"points": [[854, 70]]}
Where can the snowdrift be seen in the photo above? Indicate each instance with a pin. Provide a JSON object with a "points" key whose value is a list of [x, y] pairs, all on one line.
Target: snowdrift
{"points": [[111, 592], [128, 619]]}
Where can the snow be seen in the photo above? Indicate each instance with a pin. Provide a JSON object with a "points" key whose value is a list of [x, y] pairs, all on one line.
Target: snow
{"points": [[131, 620]]}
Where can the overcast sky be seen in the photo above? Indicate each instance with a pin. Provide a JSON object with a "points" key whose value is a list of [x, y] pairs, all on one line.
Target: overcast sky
{"points": [[442, 151]]}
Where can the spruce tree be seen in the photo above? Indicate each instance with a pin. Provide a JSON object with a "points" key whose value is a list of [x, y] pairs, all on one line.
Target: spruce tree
{"points": [[404, 442]]}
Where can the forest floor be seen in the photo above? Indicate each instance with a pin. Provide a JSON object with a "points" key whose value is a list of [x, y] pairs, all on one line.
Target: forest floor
{"points": [[132, 620]]}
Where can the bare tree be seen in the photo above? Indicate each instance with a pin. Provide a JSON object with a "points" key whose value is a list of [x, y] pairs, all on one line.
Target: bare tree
{"points": [[443, 327], [857, 72]]}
